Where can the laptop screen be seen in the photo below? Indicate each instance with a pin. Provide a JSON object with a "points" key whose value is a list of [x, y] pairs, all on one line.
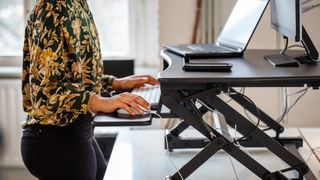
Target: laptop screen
{"points": [[241, 23]]}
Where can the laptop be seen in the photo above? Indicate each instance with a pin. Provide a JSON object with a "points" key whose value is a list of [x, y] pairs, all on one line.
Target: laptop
{"points": [[235, 35]]}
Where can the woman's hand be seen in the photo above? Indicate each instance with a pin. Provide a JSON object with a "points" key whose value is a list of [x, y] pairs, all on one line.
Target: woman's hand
{"points": [[134, 81], [123, 100]]}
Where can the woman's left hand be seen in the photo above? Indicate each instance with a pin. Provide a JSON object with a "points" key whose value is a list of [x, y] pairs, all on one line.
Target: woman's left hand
{"points": [[134, 81]]}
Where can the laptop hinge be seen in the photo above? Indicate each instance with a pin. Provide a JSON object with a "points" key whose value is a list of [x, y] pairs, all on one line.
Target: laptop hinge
{"points": [[229, 47]]}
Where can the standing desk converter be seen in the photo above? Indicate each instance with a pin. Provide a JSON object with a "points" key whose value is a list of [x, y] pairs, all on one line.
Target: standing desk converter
{"points": [[180, 90]]}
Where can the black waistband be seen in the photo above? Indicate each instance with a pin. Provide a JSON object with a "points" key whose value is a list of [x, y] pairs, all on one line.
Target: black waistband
{"points": [[81, 121]]}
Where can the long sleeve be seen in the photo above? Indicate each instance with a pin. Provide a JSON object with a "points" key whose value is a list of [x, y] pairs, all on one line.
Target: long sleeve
{"points": [[63, 65], [106, 82], [27, 106]]}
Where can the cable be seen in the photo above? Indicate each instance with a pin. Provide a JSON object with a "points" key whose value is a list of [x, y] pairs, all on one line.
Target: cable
{"points": [[258, 116], [288, 109], [286, 44], [193, 102], [156, 114], [233, 167], [168, 155], [242, 90], [167, 144], [313, 152], [296, 45], [283, 114], [297, 92], [296, 101], [306, 1]]}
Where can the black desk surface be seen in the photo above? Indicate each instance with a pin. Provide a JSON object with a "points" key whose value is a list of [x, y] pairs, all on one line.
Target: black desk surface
{"points": [[251, 71]]}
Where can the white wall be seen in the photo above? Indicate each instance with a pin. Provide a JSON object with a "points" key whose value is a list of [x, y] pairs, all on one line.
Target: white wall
{"points": [[176, 21], [311, 23]]}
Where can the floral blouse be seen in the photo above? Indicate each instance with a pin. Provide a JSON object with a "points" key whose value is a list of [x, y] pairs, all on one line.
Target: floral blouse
{"points": [[62, 65]]}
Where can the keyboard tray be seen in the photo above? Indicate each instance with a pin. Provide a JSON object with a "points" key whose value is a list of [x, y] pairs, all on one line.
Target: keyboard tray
{"points": [[113, 119]]}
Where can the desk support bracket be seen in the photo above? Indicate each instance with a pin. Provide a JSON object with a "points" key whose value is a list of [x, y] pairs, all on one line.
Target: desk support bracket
{"points": [[180, 103]]}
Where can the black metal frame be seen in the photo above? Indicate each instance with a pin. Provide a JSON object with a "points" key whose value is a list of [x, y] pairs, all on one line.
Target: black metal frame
{"points": [[181, 102]]}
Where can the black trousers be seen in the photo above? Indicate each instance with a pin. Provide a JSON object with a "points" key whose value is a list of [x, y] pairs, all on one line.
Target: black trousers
{"points": [[63, 153]]}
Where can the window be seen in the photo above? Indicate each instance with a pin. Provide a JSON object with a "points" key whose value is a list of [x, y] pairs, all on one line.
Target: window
{"points": [[11, 27], [112, 20], [127, 28]]}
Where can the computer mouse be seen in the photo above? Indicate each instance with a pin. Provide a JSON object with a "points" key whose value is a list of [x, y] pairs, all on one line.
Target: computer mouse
{"points": [[124, 112]]}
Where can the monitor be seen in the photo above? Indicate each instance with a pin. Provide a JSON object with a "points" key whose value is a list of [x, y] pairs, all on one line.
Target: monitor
{"points": [[286, 18]]}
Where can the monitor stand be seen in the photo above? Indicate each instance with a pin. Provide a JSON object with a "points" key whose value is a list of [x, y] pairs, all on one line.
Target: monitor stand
{"points": [[283, 60], [309, 46]]}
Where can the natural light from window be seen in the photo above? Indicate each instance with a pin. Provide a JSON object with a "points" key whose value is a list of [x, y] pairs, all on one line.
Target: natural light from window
{"points": [[11, 27], [112, 20]]}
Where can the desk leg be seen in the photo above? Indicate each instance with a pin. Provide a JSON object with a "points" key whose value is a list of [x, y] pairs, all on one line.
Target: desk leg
{"points": [[187, 111], [292, 148], [174, 141], [199, 159], [244, 126], [191, 116], [234, 151]]}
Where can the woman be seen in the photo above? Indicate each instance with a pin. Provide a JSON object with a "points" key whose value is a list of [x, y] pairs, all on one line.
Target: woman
{"points": [[61, 82]]}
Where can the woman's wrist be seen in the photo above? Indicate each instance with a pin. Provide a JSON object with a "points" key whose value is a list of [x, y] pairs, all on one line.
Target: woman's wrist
{"points": [[94, 103], [116, 84]]}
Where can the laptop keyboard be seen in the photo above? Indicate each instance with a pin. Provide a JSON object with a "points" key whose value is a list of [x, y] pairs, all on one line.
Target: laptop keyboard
{"points": [[150, 93], [209, 48]]}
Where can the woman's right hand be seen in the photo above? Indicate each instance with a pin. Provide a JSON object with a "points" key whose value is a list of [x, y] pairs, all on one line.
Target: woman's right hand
{"points": [[123, 100]]}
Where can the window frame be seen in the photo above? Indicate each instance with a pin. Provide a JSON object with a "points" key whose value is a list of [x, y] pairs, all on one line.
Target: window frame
{"points": [[14, 58], [143, 34]]}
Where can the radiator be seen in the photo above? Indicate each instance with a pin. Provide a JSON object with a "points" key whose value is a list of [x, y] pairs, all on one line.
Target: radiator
{"points": [[11, 115]]}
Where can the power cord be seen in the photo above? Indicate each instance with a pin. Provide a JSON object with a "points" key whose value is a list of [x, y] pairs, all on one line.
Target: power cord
{"points": [[296, 45], [258, 116], [288, 109], [242, 91], [315, 151], [233, 167], [286, 44], [168, 155], [193, 102], [167, 151], [253, 129]]}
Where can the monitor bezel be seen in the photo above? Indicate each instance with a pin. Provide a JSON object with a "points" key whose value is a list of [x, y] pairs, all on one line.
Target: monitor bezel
{"points": [[287, 31]]}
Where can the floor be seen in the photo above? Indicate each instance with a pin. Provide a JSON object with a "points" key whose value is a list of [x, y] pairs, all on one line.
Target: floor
{"points": [[15, 174]]}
